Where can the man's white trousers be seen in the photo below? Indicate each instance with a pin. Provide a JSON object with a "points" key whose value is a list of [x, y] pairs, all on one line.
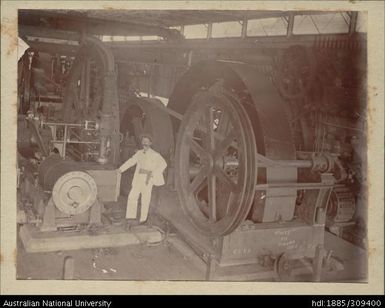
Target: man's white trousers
{"points": [[139, 189]]}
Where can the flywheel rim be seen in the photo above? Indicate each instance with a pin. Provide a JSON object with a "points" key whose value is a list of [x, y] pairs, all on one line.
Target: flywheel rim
{"points": [[216, 222]]}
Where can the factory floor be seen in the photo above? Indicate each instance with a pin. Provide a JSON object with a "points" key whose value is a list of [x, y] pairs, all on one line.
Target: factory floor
{"points": [[136, 262], [172, 259], [167, 261]]}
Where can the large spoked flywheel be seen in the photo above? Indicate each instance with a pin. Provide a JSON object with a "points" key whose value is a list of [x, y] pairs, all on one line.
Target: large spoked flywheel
{"points": [[216, 167]]}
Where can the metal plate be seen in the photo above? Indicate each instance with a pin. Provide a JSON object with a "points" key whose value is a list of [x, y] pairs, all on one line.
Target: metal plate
{"points": [[74, 192]]}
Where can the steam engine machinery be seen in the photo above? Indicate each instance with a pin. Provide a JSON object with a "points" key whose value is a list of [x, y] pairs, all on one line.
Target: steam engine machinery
{"points": [[68, 155], [264, 157]]}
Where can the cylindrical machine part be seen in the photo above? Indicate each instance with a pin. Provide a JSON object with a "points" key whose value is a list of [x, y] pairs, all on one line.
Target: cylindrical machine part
{"points": [[52, 168], [73, 190], [342, 205]]}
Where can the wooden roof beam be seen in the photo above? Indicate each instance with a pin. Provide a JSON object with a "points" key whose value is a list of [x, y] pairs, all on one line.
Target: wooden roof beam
{"points": [[93, 26]]}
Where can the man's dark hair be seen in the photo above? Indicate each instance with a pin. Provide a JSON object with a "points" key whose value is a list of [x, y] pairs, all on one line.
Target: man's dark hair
{"points": [[145, 135]]}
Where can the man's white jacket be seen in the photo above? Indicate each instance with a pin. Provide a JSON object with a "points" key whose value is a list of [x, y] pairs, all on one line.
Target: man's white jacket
{"points": [[148, 161]]}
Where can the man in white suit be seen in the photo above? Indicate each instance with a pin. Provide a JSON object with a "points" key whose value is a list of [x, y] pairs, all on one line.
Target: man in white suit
{"points": [[149, 171]]}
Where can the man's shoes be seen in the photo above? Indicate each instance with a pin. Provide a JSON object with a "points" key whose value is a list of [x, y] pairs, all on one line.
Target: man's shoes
{"points": [[130, 223]]}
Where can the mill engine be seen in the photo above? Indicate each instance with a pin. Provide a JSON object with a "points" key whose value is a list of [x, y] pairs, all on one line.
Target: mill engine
{"points": [[68, 154], [263, 156]]}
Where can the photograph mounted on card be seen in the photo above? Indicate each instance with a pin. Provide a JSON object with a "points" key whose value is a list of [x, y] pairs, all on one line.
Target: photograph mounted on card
{"points": [[193, 142]]}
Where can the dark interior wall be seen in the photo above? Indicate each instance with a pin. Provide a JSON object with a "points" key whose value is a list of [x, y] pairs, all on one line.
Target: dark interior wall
{"points": [[156, 70], [156, 66]]}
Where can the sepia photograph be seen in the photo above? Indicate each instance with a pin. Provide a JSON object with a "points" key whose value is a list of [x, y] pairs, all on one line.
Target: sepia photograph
{"points": [[197, 145]]}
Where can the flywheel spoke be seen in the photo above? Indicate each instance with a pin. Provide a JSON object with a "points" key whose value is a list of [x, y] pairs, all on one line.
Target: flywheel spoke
{"points": [[198, 180], [223, 125], [210, 130], [224, 178], [212, 197], [197, 149], [224, 145]]}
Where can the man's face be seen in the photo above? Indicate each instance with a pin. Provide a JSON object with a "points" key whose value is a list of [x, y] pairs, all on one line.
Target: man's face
{"points": [[146, 143]]}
